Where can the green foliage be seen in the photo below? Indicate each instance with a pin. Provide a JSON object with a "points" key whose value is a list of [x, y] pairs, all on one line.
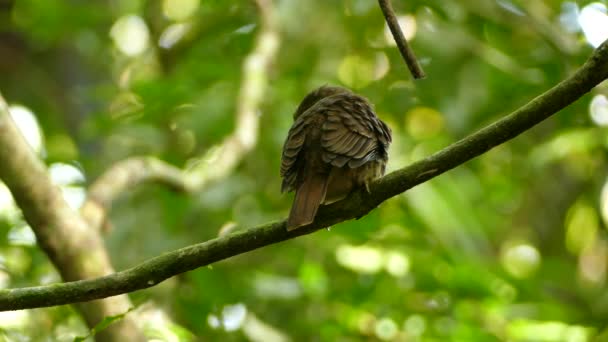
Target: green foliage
{"points": [[509, 247], [103, 325]]}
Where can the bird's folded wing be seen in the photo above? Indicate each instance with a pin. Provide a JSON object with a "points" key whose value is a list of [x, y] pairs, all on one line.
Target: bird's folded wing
{"points": [[291, 149], [350, 139]]}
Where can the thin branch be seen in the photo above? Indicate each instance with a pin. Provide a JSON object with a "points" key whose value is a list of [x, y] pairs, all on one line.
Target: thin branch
{"points": [[358, 204], [222, 159], [132, 171], [404, 48], [125, 175]]}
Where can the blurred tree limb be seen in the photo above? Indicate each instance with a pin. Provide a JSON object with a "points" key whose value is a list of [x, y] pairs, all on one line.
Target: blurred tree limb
{"points": [[406, 52], [76, 251], [72, 241], [219, 160], [124, 175], [358, 204]]}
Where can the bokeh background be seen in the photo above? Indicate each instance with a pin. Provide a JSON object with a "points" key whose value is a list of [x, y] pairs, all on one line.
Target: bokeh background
{"points": [[509, 247]]}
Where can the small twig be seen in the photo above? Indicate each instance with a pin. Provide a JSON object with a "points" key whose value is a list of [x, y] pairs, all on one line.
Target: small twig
{"points": [[404, 48], [133, 171], [126, 175], [155, 270]]}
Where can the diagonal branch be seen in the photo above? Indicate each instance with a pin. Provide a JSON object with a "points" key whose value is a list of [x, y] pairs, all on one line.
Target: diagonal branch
{"points": [[157, 269], [406, 52]]}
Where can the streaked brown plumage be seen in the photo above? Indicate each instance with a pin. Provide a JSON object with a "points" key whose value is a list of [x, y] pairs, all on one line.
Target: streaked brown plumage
{"points": [[335, 144]]}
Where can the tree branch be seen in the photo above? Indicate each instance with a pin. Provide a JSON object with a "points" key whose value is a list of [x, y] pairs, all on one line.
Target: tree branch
{"points": [[75, 250], [253, 86], [157, 269], [406, 52], [127, 174]]}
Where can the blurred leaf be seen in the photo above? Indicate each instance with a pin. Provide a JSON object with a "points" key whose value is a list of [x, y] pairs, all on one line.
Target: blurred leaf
{"points": [[105, 322]]}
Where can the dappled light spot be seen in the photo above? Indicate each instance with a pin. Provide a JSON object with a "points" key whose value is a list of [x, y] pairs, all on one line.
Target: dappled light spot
{"points": [[594, 23], [230, 319], [546, 331], [8, 208], [381, 67], [15, 260], [14, 319], [131, 35], [173, 34], [356, 71], [361, 259], [604, 203], [180, 9], [568, 17], [520, 259], [233, 316], [5, 278], [397, 264], [278, 287], [386, 329], [582, 226], [66, 174], [365, 322], [21, 235], [70, 180], [236, 317], [415, 325], [423, 122], [258, 331], [511, 7], [369, 260], [408, 27], [28, 125], [246, 29], [598, 110], [213, 321]]}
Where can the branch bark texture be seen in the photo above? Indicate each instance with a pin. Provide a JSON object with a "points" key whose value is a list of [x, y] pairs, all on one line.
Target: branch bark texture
{"points": [[155, 270], [75, 250]]}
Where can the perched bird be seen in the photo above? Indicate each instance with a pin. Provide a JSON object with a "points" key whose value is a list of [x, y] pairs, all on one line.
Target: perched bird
{"points": [[336, 143]]}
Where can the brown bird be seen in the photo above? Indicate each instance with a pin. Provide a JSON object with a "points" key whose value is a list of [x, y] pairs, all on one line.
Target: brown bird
{"points": [[336, 143]]}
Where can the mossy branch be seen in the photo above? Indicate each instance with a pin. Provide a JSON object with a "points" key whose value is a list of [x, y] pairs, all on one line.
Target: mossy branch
{"points": [[155, 270]]}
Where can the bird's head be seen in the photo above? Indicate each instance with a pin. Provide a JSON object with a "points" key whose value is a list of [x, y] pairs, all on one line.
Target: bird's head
{"points": [[316, 96]]}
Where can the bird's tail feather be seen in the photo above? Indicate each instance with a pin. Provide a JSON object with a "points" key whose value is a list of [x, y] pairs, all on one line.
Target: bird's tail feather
{"points": [[307, 200]]}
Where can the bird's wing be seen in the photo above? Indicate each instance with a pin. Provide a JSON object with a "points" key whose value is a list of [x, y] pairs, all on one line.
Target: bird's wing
{"points": [[291, 149], [353, 135]]}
